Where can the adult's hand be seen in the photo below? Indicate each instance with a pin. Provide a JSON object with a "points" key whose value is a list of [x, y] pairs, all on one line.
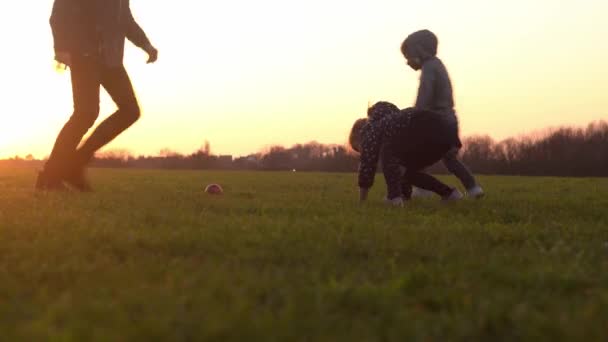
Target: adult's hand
{"points": [[63, 57], [152, 53]]}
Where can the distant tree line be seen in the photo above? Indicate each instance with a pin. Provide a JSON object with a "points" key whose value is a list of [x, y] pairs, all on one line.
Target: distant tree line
{"points": [[565, 151], [312, 156], [577, 152]]}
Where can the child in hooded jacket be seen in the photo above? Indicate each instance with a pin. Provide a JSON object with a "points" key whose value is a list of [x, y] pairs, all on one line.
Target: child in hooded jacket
{"points": [[435, 95]]}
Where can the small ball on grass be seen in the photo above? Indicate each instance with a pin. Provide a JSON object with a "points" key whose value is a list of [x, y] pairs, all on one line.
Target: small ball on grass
{"points": [[214, 189]]}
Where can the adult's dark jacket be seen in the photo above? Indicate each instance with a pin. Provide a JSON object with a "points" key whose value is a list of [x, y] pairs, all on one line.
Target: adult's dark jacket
{"points": [[95, 27]]}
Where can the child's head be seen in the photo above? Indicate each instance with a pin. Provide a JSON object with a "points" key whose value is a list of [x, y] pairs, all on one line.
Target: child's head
{"points": [[380, 110], [376, 112], [355, 134], [418, 47]]}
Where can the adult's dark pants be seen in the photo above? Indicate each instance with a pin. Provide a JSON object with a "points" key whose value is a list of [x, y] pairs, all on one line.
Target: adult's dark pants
{"points": [[426, 142], [88, 76], [414, 174]]}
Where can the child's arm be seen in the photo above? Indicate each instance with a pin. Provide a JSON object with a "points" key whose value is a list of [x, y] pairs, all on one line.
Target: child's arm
{"points": [[371, 143], [426, 92]]}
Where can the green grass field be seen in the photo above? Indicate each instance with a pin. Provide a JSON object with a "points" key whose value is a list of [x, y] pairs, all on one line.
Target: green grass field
{"points": [[294, 257]]}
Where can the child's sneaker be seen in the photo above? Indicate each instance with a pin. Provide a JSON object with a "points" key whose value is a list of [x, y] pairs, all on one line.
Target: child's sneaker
{"points": [[475, 192], [455, 196], [395, 202], [421, 193]]}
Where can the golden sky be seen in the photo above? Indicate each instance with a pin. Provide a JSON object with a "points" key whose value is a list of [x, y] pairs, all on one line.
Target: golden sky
{"points": [[247, 74]]}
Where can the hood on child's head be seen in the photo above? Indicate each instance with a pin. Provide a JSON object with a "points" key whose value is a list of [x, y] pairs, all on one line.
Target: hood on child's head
{"points": [[380, 110], [420, 44]]}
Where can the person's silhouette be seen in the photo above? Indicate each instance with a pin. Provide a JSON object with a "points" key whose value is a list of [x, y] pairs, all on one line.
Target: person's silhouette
{"points": [[89, 37], [435, 95]]}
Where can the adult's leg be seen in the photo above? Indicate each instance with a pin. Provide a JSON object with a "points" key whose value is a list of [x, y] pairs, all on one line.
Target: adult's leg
{"points": [[85, 92], [422, 155], [117, 83], [458, 169], [406, 188]]}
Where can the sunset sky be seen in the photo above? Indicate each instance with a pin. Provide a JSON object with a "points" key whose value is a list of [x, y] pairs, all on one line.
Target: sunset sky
{"points": [[248, 74]]}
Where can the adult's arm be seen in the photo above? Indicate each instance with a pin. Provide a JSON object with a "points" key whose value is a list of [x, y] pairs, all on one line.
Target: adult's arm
{"points": [[135, 33]]}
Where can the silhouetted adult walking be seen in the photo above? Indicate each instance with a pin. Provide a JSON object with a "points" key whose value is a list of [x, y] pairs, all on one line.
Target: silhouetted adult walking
{"points": [[89, 38]]}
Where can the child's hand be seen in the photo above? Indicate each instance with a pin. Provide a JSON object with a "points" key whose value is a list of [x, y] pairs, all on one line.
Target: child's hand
{"points": [[363, 194]]}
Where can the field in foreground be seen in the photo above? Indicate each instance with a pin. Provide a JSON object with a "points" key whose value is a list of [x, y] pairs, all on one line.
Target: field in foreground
{"points": [[293, 257]]}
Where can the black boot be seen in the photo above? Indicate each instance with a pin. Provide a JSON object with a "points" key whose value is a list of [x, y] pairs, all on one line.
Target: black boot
{"points": [[76, 175], [49, 181]]}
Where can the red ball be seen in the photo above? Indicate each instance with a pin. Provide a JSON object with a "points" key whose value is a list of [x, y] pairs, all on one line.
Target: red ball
{"points": [[214, 189]]}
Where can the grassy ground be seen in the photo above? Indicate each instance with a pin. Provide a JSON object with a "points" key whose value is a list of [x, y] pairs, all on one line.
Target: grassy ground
{"points": [[293, 257]]}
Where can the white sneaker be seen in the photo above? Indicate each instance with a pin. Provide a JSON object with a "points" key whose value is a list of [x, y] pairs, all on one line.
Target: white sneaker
{"points": [[475, 192], [455, 196], [395, 202]]}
